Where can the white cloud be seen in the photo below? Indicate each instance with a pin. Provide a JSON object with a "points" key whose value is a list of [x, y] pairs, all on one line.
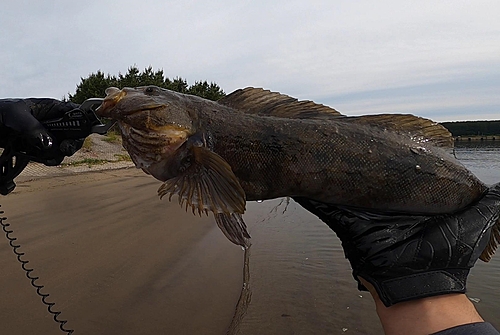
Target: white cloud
{"points": [[315, 50]]}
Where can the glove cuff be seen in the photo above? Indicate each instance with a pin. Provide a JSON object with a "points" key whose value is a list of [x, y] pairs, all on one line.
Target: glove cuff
{"points": [[420, 285]]}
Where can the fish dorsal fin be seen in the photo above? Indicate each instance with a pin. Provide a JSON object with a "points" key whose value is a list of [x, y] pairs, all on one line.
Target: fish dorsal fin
{"points": [[416, 128], [264, 102]]}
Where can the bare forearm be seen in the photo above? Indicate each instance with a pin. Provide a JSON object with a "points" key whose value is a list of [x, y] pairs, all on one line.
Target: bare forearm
{"points": [[425, 316]]}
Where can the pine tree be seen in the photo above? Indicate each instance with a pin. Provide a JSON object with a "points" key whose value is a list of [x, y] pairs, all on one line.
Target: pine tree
{"points": [[95, 84], [92, 87]]}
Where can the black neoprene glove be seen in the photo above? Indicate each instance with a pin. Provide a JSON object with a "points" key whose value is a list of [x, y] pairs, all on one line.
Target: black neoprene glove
{"points": [[411, 257], [20, 126]]}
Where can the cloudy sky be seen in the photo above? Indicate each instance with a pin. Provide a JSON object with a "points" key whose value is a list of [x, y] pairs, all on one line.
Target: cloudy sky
{"points": [[437, 59]]}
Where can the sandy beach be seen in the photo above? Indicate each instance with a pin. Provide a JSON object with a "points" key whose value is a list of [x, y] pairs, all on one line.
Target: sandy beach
{"points": [[115, 259]]}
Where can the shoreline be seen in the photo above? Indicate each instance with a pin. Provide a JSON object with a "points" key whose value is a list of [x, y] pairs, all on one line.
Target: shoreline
{"points": [[112, 256], [474, 138]]}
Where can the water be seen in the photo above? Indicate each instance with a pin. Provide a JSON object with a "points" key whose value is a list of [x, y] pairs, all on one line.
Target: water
{"points": [[483, 158], [300, 282]]}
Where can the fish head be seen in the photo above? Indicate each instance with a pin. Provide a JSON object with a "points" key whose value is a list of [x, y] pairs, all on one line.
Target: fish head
{"points": [[154, 123]]}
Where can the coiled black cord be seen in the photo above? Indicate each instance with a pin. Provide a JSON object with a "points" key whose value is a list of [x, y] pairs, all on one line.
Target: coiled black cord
{"points": [[33, 279]]}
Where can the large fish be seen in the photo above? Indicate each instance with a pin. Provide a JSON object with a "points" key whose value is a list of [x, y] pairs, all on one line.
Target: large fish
{"points": [[255, 144]]}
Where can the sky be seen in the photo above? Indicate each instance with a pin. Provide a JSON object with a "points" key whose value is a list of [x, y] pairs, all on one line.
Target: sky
{"points": [[435, 59]]}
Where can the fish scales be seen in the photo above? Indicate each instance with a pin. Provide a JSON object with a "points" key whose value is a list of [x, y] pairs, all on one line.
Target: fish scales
{"points": [[339, 162], [257, 145]]}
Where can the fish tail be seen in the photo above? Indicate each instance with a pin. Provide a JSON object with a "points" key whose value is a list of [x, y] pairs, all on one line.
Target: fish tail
{"points": [[493, 243]]}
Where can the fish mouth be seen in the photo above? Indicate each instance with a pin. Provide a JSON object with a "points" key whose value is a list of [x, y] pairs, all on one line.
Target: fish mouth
{"points": [[113, 96], [117, 103], [152, 126]]}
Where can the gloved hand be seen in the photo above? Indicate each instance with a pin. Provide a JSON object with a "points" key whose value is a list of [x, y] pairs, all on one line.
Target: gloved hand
{"points": [[19, 121], [411, 257]]}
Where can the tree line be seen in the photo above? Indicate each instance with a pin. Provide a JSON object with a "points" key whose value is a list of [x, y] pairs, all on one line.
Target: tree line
{"points": [[473, 128], [96, 83]]}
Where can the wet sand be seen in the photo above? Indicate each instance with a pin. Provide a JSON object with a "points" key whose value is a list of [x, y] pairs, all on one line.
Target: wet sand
{"points": [[115, 260], [299, 281]]}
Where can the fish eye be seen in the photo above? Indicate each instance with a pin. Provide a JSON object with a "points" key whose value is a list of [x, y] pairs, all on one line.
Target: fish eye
{"points": [[150, 90]]}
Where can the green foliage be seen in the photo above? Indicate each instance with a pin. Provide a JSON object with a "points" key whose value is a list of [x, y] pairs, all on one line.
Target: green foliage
{"points": [[87, 144], [98, 161], [205, 90], [95, 84], [92, 87], [123, 157], [86, 161], [178, 84], [112, 136], [473, 128]]}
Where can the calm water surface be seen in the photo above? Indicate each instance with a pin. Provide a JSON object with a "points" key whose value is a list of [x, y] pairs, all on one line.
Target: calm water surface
{"points": [[483, 158], [300, 282]]}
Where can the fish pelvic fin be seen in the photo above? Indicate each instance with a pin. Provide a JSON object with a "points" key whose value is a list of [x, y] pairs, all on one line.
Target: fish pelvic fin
{"points": [[493, 243], [262, 102], [208, 184], [416, 128]]}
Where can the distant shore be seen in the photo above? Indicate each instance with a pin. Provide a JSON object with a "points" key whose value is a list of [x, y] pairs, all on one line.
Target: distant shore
{"points": [[477, 138]]}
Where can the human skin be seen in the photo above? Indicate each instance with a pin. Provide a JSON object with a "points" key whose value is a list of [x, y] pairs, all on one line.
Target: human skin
{"points": [[424, 316]]}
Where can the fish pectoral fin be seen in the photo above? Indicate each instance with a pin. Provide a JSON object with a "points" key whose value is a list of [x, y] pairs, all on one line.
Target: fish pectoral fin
{"points": [[208, 184], [258, 101], [234, 228]]}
